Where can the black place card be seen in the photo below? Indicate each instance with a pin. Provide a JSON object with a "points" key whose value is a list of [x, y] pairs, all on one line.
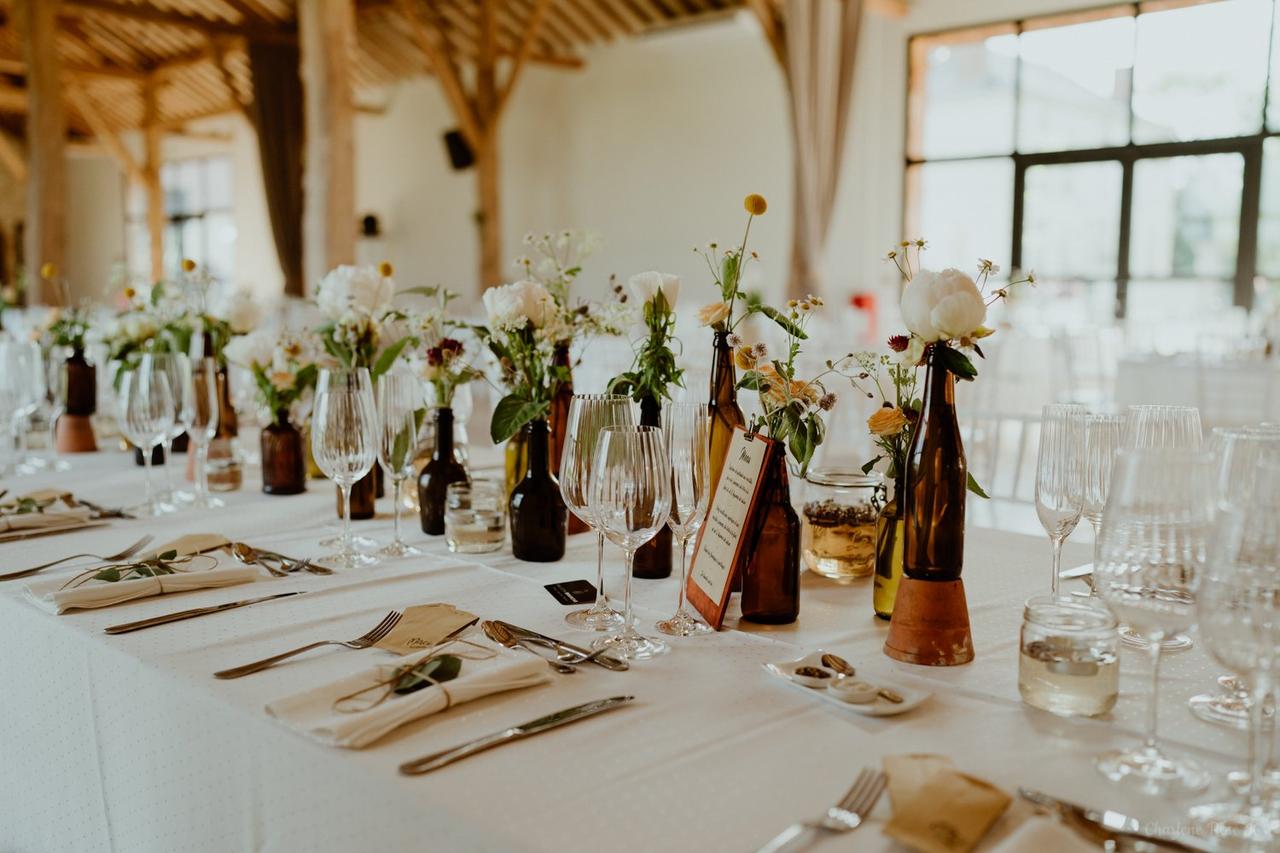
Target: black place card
{"points": [[572, 592]]}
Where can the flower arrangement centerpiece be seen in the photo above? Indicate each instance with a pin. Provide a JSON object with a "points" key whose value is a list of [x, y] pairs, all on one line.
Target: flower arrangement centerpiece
{"points": [[69, 331], [944, 313], [218, 313]]}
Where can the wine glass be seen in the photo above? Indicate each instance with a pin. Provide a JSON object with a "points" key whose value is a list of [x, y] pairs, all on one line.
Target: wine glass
{"points": [[400, 410], [177, 369], [1163, 428], [688, 431], [588, 415], [343, 442], [23, 358], [1239, 617], [1154, 534], [200, 420], [1103, 436], [630, 501], [146, 417], [1059, 476], [56, 400]]}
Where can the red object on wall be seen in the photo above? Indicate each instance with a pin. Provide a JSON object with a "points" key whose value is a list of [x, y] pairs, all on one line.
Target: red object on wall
{"points": [[865, 302]]}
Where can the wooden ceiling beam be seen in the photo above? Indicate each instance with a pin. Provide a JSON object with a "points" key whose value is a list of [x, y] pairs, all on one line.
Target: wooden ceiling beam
{"points": [[531, 27], [156, 15], [15, 65], [446, 69], [11, 156]]}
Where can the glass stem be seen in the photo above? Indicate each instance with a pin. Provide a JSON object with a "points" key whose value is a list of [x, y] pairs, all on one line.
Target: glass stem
{"points": [[629, 617], [684, 543], [1153, 708], [53, 436], [1096, 523], [1057, 564], [602, 598], [395, 491], [168, 476], [146, 471], [202, 471], [346, 517], [1259, 755]]}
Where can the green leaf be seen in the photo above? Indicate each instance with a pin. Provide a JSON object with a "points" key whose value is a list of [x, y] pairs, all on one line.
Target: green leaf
{"points": [[431, 671], [420, 291], [782, 320], [108, 575], [751, 381], [868, 467], [956, 362], [972, 485], [388, 358], [510, 415]]}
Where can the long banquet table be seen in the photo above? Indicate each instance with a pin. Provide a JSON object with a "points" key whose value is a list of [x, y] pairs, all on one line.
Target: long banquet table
{"points": [[128, 743]]}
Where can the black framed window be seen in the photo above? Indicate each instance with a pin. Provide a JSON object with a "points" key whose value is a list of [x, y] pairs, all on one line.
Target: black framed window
{"points": [[199, 218], [1129, 154]]}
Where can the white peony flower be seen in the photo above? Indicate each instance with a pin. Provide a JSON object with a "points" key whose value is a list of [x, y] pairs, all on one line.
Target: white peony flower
{"points": [[942, 305], [138, 326], [362, 290], [511, 306], [647, 285], [254, 349]]}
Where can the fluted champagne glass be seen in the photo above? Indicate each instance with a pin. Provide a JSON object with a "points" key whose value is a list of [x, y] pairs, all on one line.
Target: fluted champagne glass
{"points": [[631, 500], [1154, 536], [344, 444], [1060, 476], [588, 415], [687, 427], [55, 369], [177, 369], [1103, 436], [200, 414], [24, 360], [146, 410], [401, 408]]}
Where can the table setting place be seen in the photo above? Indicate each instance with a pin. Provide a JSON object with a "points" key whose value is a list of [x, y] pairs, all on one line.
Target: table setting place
{"points": [[357, 653]]}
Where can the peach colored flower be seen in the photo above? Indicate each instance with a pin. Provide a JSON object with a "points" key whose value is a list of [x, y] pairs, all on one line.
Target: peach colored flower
{"points": [[714, 314], [775, 395], [745, 358], [887, 421]]}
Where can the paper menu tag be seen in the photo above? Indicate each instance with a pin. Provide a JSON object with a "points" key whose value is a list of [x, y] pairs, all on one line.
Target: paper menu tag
{"points": [[424, 626], [192, 543], [946, 812], [720, 542], [907, 773]]}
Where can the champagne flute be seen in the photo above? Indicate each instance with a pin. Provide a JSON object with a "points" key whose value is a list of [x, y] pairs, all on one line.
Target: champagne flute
{"points": [[400, 410], [1103, 435], [146, 417], [200, 420], [343, 426], [27, 364], [56, 399], [630, 501], [1059, 476], [177, 369], [1154, 535], [688, 431], [1239, 616], [588, 415]]}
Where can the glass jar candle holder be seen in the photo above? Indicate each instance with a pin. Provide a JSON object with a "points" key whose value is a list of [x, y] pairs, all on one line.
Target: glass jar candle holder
{"points": [[838, 523], [475, 517], [1068, 662]]}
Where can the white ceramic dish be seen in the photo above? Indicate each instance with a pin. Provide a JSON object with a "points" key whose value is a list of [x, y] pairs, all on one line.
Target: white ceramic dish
{"points": [[912, 697]]}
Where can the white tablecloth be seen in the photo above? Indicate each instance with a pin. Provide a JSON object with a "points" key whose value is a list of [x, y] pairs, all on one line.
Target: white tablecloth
{"points": [[128, 742]]}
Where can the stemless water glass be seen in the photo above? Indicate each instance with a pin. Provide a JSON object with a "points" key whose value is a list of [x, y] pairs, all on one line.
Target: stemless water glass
{"points": [[475, 517], [1103, 436], [1059, 476], [200, 413], [1163, 428], [1154, 535], [177, 369], [588, 415], [687, 427], [343, 442], [1239, 617], [146, 416], [400, 408], [630, 501]]}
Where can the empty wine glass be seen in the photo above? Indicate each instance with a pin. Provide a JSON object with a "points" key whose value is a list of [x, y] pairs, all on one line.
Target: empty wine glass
{"points": [[588, 415], [687, 427], [1239, 619], [630, 501], [400, 411], [1154, 535], [200, 420], [1059, 476], [343, 427], [177, 369], [56, 400], [23, 361], [146, 416], [1103, 436], [1163, 428]]}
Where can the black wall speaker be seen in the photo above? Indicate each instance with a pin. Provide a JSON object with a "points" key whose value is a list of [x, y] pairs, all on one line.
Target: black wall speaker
{"points": [[460, 154]]}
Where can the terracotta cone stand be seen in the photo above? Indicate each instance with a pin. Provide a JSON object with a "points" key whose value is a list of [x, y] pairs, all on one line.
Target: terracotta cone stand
{"points": [[75, 434], [930, 624]]}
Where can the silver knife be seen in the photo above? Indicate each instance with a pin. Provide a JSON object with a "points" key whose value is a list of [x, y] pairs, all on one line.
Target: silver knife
{"points": [[602, 660], [1104, 825], [191, 614], [560, 718]]}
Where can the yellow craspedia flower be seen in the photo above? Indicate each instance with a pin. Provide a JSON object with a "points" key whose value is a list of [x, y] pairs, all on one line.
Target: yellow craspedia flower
{"points": [[386, 270], [48, 270], [129, 293], [755, 204], [188, 265]]}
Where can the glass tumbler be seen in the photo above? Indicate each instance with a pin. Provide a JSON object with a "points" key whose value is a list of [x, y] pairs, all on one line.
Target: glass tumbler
{"points": [[1068, 662], [838, 523], [475, 517]]}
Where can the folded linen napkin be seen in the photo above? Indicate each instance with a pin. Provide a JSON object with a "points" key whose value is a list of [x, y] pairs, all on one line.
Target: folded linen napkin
{"points": [[50, 595], [312, 712], [1038, 834], [40, 520]]}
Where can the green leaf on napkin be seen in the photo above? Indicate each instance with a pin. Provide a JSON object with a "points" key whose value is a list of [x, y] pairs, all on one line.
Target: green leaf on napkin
{"points": [[433, 670]]}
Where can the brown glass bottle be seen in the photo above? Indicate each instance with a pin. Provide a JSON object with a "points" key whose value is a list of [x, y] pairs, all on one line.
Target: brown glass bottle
{"points": [[82, 385], [559, 424], [725, 413], [653, 558], [364, 496], [436, 476], [537, 510], [284, 461], [935, 483], [771, 576]]}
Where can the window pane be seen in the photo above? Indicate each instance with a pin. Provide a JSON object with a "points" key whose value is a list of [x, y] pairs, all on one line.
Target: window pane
{"points": [[219, 179], [1071, 220], [1273, 100], [1074, 88], [1200, 71], [1169, 315], [1186, 217], [1269, 215], [220, 236], [964, 210], [183, 188], [963, 89]]}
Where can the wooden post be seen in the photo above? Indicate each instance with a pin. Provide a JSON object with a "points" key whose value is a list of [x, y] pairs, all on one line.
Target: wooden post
{"points": [[152, 137], [489, 212], [45, 231], [326, 31]]}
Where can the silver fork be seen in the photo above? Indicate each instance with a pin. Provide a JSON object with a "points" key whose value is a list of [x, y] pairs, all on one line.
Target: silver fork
{"points": [[377, 633], [108, 558], [846, 815]]}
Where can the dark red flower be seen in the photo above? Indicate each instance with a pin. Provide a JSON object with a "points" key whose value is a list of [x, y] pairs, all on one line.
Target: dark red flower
{"points": [[899, 343], [435, 356], [450, 345]]}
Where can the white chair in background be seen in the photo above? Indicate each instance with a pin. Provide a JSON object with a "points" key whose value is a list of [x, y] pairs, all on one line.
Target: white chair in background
{"points": [[1232, 392]]}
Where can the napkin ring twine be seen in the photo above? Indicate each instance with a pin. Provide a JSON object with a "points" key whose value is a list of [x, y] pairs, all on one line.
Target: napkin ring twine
{"points": [[479, 652]]}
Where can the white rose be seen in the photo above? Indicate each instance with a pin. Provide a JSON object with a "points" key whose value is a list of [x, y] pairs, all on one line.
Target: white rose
{"points": [[942, 305], [257, 348], [240, 310], [510, 306], [647, 285], [360, 289], [139, 327]]}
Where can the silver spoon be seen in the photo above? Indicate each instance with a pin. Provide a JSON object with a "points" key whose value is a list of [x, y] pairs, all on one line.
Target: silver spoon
{"points": [[503, 636]]}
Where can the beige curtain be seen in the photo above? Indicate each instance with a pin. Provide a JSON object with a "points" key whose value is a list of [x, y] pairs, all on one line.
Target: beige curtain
{"points": [[819, 41]]}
